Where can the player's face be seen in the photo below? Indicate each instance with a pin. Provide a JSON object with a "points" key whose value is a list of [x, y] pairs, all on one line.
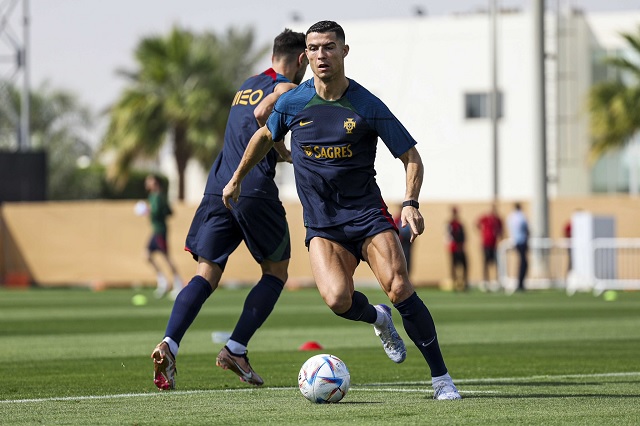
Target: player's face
{"points": [[326, 55]]}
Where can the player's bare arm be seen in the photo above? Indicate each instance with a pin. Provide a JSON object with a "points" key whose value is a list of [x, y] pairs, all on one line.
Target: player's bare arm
{"points": [[264, 108], [259, 145], [414, 173]]}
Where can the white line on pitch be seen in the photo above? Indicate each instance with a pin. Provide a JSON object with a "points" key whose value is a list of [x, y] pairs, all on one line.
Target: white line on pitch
{"points": [[517, 379], [370, 387]]}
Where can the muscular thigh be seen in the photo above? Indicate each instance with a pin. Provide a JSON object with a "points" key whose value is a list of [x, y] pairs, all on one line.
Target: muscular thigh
{"points": [[383, 253], [333, 267]]}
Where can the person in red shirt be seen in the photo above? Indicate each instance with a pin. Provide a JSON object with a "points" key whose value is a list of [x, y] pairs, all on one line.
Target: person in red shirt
{"points": [[455, 233], [567, 235], [490, 226]]}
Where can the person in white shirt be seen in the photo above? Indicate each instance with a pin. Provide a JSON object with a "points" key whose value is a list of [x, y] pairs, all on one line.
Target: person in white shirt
{"points": [[519, 232]]}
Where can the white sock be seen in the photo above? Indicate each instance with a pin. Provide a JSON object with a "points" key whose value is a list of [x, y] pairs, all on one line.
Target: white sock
{"points": [[162, 283], [173, 346], [177, 283], [446, 377], [236, 347], [381, 319]]}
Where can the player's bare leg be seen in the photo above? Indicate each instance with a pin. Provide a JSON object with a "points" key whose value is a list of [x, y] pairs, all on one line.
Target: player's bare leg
{"points": [[162, 284], [383, 252], [333, 267]]}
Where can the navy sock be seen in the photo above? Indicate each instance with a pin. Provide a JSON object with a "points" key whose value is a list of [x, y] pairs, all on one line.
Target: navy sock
{"points": [[186, 307], [360, 310], [421, 329], [257, 307]]}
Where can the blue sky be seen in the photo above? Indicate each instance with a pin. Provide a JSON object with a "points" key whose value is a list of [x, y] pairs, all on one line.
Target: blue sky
{"points": [[78, 44]]}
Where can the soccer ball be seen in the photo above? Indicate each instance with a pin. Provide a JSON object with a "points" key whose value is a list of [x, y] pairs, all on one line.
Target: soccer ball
{"points": [[141, 208], [324, 378]]}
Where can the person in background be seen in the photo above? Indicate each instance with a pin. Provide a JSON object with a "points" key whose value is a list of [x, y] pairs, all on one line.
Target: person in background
{"points": [[491, 230], [519, 233], [456, 239], [158, 210], [259, 220], [567, 235]]}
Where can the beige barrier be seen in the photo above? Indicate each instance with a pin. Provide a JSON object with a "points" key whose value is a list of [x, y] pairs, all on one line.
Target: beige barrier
{"points": [[102, 243]]}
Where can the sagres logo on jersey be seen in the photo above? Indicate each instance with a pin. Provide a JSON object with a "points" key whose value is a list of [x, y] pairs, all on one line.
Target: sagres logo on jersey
{"points": [[330, 152], [349, 125]]}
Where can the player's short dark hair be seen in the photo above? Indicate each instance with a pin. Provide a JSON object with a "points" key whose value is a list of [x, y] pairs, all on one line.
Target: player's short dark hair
{"points": [[327, 27], [289, 43], [156, 178]]}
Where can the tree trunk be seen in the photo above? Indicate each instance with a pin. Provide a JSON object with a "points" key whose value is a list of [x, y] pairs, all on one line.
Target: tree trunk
{"points": [[182, 153]]}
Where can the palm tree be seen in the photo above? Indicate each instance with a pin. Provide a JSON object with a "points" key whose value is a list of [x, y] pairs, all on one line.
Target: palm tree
{"points": [[615, 105], [182, 90]]}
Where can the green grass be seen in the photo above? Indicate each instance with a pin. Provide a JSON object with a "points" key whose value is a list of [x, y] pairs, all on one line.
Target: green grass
{"points": [[82, 357]]}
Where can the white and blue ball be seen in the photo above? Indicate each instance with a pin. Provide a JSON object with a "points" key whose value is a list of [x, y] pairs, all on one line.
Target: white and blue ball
{"points": [[141, 208], [324, 378]]}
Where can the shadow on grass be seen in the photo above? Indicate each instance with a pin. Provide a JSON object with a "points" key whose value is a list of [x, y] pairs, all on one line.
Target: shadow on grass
{"points": [[547, 396], [548, 383]]}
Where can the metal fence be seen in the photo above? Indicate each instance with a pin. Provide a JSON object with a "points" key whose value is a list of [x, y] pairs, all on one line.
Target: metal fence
{"points": [[617, 264], [612, 264]]}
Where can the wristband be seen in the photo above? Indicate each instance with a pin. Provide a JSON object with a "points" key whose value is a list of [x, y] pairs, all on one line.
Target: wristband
{"points": [[412, 203]]}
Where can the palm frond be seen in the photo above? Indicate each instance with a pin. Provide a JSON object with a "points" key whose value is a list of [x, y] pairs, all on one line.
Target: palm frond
{"points": [[183, 86], [614, 106]]}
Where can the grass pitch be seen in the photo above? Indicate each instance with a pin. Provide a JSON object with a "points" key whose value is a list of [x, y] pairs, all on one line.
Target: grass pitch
{"points": [[82, 357]]}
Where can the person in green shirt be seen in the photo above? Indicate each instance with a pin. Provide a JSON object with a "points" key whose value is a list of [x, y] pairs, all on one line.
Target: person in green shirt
{"points": [[159, 209]]}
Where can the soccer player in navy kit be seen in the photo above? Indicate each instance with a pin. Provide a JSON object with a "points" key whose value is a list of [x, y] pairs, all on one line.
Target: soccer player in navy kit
{"points": [[259, 219], [335, 124]]}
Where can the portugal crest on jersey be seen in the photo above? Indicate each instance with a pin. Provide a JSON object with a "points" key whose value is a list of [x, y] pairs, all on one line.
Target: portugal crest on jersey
{"points": [[349, 124]]}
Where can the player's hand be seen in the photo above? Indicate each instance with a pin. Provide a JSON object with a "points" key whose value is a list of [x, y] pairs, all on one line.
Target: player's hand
{"points": [[230, 192], [412, 217], [286, 156], [283, 151]]}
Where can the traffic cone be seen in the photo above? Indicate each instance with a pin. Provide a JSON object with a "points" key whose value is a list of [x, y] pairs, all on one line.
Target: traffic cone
{"points": [[310, 346]]}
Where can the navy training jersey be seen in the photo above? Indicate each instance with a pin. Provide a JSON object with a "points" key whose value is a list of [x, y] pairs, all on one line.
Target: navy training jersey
{"points": [[241, 125], [333, 146]]}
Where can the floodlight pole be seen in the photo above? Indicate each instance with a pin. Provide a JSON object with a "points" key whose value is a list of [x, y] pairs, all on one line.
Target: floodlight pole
{"points": [[540, 202], [493, 98], [25, 134], [19, 66]]}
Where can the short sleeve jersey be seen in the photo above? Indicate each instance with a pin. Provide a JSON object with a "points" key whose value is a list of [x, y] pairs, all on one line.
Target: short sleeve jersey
{"points": [[490, 228], [159, 209], [241, 125], [333, 146], [518, 227]]}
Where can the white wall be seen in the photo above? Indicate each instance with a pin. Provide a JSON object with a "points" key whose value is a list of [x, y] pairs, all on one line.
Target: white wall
{"points": [[422, 67]]}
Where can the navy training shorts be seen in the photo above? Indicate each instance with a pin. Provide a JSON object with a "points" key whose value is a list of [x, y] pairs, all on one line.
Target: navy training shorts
{"points": [[352, 235], [158, 242], [216, 231]]}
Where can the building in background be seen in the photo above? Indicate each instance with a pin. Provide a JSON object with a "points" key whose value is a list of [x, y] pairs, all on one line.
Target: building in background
{"points": [[434, 73]]}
